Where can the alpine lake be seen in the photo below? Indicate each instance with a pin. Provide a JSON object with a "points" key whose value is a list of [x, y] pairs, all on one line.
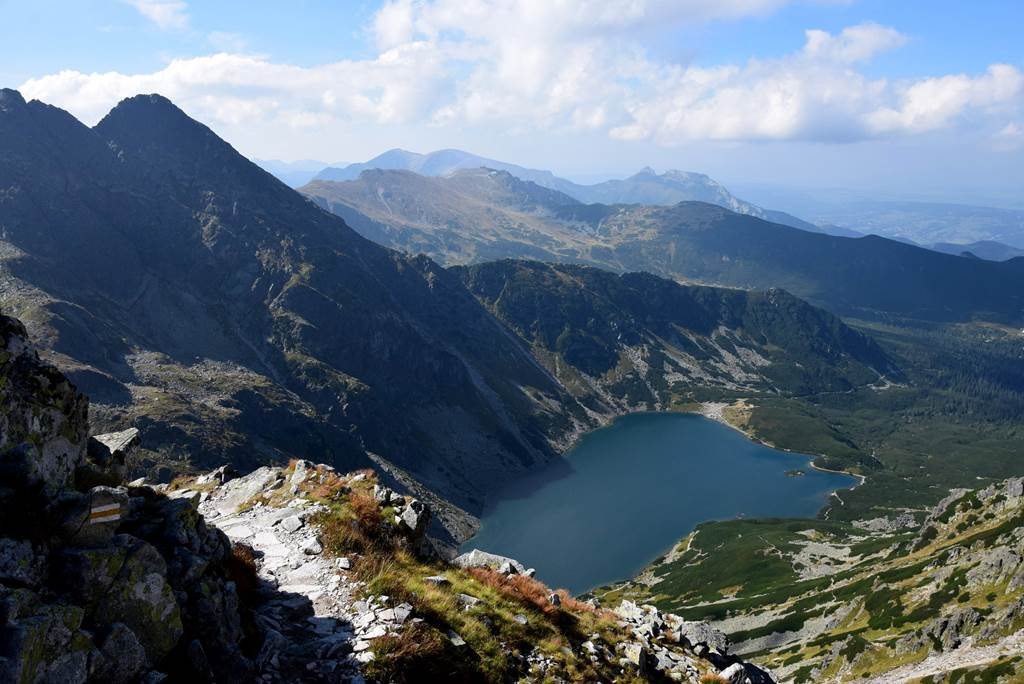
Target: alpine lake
{"points": [[626, 493]]}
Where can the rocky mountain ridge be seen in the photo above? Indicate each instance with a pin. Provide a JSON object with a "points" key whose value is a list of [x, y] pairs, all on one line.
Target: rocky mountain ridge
{"points": [[867, 277], [644, 187]]}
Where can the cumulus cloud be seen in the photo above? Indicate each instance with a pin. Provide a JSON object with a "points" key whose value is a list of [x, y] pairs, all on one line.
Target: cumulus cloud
{"points": [[852, 44], [167, 14], [559, 65]]}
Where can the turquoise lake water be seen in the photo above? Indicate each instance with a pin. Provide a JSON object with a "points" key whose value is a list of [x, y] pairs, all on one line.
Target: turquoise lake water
{"points": [[626, 493]]}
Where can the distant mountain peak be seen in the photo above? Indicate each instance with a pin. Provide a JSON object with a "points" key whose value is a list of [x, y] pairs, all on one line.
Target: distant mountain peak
{"points": [[647, 171]]}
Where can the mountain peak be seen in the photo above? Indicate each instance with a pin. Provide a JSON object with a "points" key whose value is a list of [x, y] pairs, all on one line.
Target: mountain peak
{"points": [[647, 171], [153, 122], [9, 99]]}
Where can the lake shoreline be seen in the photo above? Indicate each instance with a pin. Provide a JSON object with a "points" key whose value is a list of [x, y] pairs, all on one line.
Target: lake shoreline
{"points": [[716, 412]]}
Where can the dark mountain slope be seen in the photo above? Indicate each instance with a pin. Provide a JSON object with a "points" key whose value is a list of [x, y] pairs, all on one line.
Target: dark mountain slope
{"points": [[149, 254], [654, 341], [860, 276]]}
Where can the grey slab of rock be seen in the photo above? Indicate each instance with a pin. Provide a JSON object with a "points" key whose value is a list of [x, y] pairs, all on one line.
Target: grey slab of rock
{"points": [[375, 632], [233, 494], [468, 601], [734, 674], [415, 517], [697, 633], [482, 559], [292, 523], [312, 547], [219, 476], [20, 563], [436, 580], [402, 612]]}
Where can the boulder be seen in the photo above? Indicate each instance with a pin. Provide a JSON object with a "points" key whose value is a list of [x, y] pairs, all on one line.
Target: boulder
{"points": [[482, 559], [414, 518], [21, 563], [734, 674], [46, 644], [219, 476], [122, 658], [698, 633], [106, 459], [44, 424], [105, 508], [239, 491], [126, 582]]}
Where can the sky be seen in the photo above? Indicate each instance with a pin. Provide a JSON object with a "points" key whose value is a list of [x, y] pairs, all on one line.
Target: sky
{"points": [[907, 98]]}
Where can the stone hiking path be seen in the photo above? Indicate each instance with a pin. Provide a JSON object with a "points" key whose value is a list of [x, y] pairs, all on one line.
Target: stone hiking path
{"points": [[316, 630]]}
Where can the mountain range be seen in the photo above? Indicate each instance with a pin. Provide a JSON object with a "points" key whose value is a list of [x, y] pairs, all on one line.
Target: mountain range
{"points": [[229, 318], [644, 187], [478, 214]]}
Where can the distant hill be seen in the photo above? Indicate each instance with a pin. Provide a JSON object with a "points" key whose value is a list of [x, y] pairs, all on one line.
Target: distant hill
{"points": [[983, 249], [645, 187], [472, 216]]}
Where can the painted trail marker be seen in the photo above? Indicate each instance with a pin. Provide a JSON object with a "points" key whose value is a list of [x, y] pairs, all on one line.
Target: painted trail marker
{"points": [[104, 514]]}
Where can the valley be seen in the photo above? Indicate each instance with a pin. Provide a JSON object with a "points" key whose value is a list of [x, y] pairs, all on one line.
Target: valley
{"points": [[232, 320]]}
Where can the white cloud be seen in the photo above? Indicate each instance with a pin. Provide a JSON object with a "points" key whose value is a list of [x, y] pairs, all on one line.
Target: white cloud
{"points": [[935, 102], [853, 44], [554, 64], [167, 14]]}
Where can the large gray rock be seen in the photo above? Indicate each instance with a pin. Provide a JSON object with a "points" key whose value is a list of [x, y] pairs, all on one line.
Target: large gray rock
{"points": [[126, 582], [239, 491], [45, 643], [21, 563], [44, 421], [107, 458], [123, 658], [414, 518], [697, 633], [482, 559], [734, 674]]}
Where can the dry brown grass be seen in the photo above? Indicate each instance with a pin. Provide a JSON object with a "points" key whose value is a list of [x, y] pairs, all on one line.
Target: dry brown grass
{"points": [[420, 653], [531, 592], [713, 679], [324, 485]]}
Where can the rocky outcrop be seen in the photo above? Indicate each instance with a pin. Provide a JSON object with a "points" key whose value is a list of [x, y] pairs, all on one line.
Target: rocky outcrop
{"points": [[99, 583], [44, 420], [482, 559], [657, 650]]}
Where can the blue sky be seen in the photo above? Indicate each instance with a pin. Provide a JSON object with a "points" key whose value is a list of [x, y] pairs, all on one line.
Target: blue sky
{"points": [[916, 98]]}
